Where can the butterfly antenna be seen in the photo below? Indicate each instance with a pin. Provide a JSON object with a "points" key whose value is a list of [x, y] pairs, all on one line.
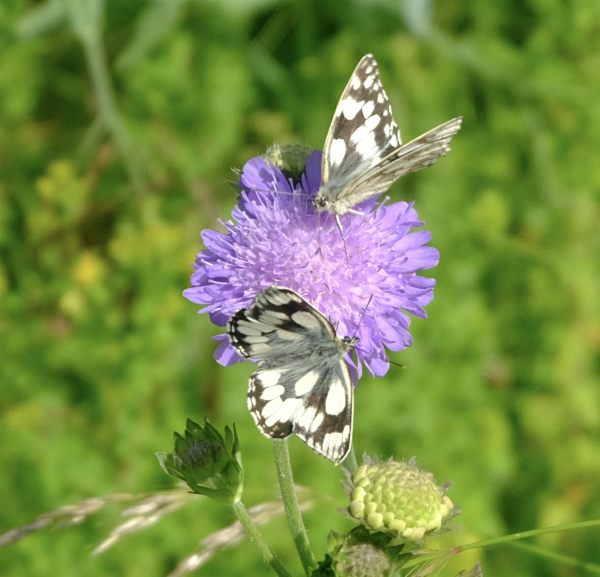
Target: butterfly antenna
{"points": [[362, 314], [359, 350], [339, 225]]}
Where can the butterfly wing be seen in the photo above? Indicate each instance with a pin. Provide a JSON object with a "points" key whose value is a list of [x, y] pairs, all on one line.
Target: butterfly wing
{"points": [[363, 155], [362, 131], [302, 385], [419, 153], [324, 421], [314, 403]]}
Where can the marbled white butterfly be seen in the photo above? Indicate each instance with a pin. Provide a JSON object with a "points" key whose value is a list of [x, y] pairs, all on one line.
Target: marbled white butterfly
{"points": [[302, 385], [363, 153]]}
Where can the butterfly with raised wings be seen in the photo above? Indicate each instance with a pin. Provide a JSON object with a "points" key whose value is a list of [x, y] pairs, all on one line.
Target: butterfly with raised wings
{"points": [[302, 385], [363, 153]]}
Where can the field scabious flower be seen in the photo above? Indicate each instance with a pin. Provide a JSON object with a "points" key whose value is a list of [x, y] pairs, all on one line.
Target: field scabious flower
{"points": [[365, 282]]}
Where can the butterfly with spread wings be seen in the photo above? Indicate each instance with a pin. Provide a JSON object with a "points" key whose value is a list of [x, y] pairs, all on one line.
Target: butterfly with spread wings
{"points": [[363, 153], [302, 385]]}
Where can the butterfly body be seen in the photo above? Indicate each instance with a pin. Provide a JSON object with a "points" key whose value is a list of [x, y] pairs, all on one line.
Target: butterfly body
{"points": [[302, 385], [363, 153]]}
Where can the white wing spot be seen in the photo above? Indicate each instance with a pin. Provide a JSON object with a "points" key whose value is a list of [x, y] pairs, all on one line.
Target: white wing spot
{"points": [[306, 320], [283, 413], [355, 83], [270, 393], [350, 107], [335, 402], [316, 423], [380, 98], [269, 378], [364, 139], [332, 444], [271, 408], [368, 81], [272, 317], [258, 349], [373, 121], [280, 298], [307, 418], [337, 151], [305, 384], [367, 109], [346, 432], [287, 335], [250, 328], [256, 340]]}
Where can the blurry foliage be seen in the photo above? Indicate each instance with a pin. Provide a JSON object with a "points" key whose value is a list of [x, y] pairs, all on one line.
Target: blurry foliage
{"points": [[101, 356]]}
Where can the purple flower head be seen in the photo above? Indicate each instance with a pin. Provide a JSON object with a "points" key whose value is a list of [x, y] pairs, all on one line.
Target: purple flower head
{"points": [[276, 237]]}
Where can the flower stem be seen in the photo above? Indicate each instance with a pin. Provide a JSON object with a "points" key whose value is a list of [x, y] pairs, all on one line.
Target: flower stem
{"points": [[246, 521], [290, 503], [528, 534], [86, 18], [96, 60], [514, 539]]}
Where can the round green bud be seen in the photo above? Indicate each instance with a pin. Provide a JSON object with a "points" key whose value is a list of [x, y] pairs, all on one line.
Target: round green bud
{"points": [[290, 158], [362, 560], [398, 498]]}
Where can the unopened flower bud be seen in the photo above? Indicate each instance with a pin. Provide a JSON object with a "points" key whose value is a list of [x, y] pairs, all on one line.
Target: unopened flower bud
{"points": [[398, 498], [362, 560], [209, 463], [290, 158]]}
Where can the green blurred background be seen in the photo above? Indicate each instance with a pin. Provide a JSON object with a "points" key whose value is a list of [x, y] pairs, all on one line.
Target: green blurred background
{"points": [[102, 358]]}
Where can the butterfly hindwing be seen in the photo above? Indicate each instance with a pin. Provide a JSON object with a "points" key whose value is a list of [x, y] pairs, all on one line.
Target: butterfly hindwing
{"points": [[324, 422], [363, 154], [302, 385], [419, 153]]}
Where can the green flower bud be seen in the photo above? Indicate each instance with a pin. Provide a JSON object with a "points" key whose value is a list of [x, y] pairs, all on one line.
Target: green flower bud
{"points": [[209, 463], [362, 560], [398, 498], [290, 158], [361, 553]]}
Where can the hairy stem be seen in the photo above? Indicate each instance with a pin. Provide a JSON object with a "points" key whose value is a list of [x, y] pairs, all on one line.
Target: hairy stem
{"points": [[290, 503], [246, 521]]}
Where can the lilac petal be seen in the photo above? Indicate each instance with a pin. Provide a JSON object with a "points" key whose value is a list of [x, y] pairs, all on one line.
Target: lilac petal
{"points": [[419, 258], [311, 179], [412, 240], [225, 354]]}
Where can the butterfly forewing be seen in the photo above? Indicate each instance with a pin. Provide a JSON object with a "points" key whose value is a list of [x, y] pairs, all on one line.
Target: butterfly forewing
{"points": [[302, 384], [362, 130], [363, 155]]}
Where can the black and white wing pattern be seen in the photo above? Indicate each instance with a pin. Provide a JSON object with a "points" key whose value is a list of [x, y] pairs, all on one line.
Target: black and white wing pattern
{"points": [[363, 153], [302, 385]]}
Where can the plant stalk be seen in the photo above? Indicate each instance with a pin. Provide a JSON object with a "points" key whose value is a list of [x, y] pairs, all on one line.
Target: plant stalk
{"points": [[290, 503], [256, 536]]}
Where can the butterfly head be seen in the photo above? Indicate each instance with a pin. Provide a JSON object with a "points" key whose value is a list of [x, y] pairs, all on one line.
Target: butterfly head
{"points": [[321, 202], [349, 343]]}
